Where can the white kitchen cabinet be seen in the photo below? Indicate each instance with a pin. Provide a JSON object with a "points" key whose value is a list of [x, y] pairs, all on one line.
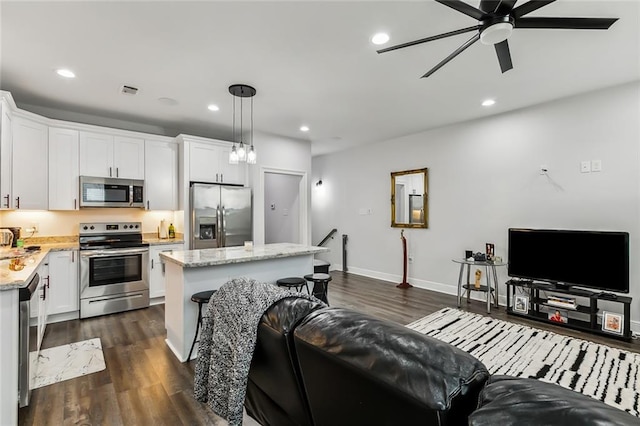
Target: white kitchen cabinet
{"points": [[6, 141], [63, 282], [39, 302], [105, 155], [30, 164], [161, 175], [156, 268], [63, 169], [209, 162]]}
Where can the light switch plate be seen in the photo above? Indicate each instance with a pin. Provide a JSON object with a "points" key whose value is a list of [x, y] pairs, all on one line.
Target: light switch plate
{"points": [[585, 167]]}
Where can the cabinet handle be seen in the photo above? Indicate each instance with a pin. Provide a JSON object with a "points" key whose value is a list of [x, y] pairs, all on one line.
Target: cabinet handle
{"points": [[75, 203], [7, 202], [221, 177], [117, 173], [73, 256], [17, 202], [151, 263], [216, 177], [148, 208], [109, 171]]}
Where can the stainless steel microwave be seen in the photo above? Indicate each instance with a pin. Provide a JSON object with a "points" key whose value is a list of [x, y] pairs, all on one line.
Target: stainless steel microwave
{"points": [[111, 192]]}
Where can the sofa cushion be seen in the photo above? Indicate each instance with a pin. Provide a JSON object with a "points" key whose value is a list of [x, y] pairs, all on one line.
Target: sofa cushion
{"points": [[509, 400], [274, 392], [358, 369]]}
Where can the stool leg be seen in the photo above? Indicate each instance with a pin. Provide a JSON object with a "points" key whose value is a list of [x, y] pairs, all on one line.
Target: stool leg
{"points": [[195, 337]]}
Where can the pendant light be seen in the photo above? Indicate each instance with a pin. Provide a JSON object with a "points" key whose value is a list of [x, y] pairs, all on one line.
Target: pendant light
{"points": [[240, 154]]}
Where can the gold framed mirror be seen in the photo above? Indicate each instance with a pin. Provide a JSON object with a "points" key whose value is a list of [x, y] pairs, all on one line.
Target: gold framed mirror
{"points": [[409, 207]]}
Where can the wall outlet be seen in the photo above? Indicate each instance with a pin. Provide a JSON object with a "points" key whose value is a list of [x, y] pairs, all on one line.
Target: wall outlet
{"points": [[32, 229], [585, 167], [596, 165]]}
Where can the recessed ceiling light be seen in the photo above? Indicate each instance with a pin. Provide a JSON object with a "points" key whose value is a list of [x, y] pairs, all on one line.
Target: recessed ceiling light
{"points": [[380, 38], [66, 73], [304, 128], [168, 101], [488, 102], [213, 107]]}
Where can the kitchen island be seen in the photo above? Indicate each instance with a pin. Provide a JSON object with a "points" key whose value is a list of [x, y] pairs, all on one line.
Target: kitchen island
{"points": [[192, 271]]}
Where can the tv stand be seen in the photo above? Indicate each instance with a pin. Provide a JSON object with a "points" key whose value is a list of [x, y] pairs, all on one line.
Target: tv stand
{"points": [[583, 317]]}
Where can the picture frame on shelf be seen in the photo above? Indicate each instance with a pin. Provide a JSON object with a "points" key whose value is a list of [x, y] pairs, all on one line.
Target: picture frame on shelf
{"points": [[558, 315], [612, 323], [521, 304]]}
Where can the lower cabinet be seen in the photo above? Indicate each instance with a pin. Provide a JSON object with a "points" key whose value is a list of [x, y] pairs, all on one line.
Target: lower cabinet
{"points": [[63, 282], [156, 268], [39, 302]]}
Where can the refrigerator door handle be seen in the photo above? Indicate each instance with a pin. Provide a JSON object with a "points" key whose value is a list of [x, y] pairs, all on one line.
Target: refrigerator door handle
{"points": [[218, 227], [224, 229]]}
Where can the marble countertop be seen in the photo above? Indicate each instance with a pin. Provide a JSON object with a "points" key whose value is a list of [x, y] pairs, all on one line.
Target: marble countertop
{"points": [[10, 280], [155, 241], [227, 255]]}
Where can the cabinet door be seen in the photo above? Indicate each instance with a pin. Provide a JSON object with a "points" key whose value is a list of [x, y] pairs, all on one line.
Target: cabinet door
{"points": [[6, 200], [128, 158], [30, 164], [161, 175], [157, 286], [96, 155], [63, 169], [230, 173], [203, 162], [63, 282]]}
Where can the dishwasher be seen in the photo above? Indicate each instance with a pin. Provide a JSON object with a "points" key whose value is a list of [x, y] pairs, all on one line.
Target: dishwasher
{"points": [[28, 340]]}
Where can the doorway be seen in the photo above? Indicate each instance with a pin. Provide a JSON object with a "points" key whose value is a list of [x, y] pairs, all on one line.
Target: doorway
{"points": [[282, 208]]}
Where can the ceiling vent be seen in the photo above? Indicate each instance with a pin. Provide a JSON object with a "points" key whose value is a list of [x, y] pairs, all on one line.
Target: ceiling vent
{"points": [[129, 90]]}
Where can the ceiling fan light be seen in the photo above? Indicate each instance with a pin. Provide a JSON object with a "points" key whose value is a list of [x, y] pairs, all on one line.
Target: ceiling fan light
{"points": [[496, 33]]}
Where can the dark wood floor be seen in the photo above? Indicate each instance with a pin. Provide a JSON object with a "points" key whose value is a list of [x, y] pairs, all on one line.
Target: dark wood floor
{"points": [[144, 384]]}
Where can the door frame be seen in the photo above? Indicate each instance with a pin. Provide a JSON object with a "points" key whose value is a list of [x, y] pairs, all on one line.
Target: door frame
{"points": [[303, 194]]}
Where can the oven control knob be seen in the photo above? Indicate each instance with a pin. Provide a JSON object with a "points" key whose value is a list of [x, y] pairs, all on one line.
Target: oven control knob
{"points": [[85, 227], [125, 227], [92, 227], [136, 226]]}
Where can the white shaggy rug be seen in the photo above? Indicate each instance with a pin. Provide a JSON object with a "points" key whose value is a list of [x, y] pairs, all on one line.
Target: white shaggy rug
{"points": [[66, 362], [601, 372]]}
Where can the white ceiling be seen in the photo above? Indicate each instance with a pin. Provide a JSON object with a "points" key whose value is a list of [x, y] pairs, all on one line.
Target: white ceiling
{"points": [[311, 62]]}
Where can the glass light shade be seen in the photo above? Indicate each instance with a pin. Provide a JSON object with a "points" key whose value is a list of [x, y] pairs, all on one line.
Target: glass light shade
{"points": [[251, 155], [242, 152], [233, 155]]}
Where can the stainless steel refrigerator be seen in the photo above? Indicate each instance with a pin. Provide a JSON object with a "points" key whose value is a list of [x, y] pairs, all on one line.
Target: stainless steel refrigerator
{"points": [[220, 216]]}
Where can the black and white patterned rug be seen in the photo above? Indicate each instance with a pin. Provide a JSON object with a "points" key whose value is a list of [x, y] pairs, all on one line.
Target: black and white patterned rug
{"points": [[601, 372]]}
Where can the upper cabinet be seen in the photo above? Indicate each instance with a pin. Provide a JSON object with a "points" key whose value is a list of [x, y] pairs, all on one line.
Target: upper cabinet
{"points": [[6, 201], [161, 175], [29, 164], [209, 162], [111, 156], [63, 169]]}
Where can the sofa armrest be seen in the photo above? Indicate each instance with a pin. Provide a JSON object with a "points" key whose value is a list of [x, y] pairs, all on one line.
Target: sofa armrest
{"points": [[509, 400]]}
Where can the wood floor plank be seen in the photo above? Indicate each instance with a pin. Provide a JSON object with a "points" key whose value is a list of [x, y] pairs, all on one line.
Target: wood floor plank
{"points": [[144, 384]]}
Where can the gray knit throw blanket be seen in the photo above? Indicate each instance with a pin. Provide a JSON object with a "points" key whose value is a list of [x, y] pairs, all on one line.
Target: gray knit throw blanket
{"points": [[227, 342]]}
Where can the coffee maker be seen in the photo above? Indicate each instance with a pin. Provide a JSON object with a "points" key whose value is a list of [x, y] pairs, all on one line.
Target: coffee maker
{"points": [[16, 234]]}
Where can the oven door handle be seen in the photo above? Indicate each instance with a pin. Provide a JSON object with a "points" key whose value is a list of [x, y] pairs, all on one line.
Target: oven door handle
{"points": [[111, 253]]}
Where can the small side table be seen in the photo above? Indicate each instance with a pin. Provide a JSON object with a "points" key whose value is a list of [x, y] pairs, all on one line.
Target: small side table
{"points": [[491, 275]]}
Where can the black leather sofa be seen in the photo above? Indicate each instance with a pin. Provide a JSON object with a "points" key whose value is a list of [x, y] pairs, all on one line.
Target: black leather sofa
{"points": [[332, 366]]}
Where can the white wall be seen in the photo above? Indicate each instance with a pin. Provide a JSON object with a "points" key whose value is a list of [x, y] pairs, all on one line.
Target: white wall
{"points": [[281, 208], [484, 178]]}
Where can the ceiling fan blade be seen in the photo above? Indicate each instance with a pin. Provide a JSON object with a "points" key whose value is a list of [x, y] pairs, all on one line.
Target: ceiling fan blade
{"points": [[505, 7], [463, 7], [566, 23], [459, 50], [529, 7], [424, 40], [488, 6], [504, 56]]}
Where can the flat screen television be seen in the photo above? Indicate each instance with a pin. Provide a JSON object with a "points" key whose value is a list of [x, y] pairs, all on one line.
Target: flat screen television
{"points": [[593, 259]]}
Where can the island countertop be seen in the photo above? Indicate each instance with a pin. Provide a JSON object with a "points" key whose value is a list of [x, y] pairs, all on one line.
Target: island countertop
{"points": [[228, 255]]}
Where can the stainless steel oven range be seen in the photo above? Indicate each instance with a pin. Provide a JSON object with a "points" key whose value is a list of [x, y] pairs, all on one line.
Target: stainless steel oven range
{"points": [[113, 268]]}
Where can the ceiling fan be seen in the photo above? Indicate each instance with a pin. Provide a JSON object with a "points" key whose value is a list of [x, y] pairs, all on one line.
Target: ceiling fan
{"points": [[496, 21]]}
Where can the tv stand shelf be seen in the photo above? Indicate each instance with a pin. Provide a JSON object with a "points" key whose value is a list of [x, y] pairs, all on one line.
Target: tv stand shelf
{"points": [[583, 317]]}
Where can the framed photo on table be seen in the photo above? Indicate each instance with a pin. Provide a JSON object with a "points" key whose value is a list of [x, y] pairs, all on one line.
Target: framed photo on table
{"points": [[612, 323], [521, 304]]}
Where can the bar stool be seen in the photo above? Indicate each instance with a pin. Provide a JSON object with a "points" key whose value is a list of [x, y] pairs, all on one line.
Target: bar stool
{"points": [[293, 282], [320, 285], [200, 298]]}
